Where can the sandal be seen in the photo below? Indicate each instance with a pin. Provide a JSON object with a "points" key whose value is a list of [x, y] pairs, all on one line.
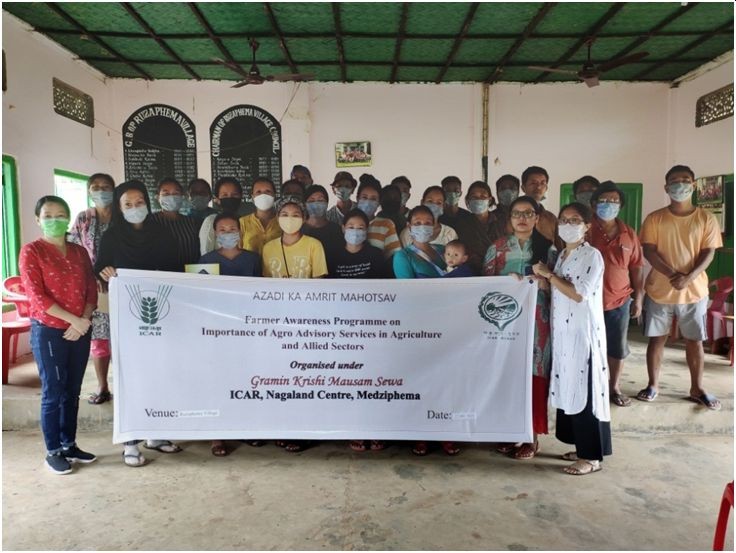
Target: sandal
{"points": [[219, 450], [569, 456], [378, 445], [527, 451], [647, 394], [164, 447], [583, 466], [99, 399], [506, 448], [708, 400], [358, 445], [450, 448], [140, 460], [617, 398], [296, 447], [420, 449]]}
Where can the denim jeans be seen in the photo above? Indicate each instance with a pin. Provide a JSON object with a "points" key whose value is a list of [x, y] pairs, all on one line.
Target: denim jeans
{"points": [[61, 365]]}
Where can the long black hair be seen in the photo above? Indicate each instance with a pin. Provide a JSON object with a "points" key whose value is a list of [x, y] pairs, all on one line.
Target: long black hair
{"points": [[540, 245]]}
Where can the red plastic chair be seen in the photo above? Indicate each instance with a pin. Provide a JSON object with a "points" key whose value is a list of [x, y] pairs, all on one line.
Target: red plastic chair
{"points": [[722, 524], [717, 309], [13, 292]]}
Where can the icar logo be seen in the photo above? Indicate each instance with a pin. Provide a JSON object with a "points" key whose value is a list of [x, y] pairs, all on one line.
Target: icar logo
{"points": [[149, 307], [499, 309]]}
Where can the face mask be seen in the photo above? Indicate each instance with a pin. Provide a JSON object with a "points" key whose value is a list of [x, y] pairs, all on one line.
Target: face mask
{"points": [[452, 198], [404, 199], [230, 205], [421, 233], [135, 215], [435, 209], [101, 198], [264, 202], [478, 206], [506, 196], [199, 203], [170, 203], [316, 209], [679, 191], [571, 233], [342, 193], [607, 211], [290, 225], [368, 207], [53, 228], [584, 197], [228, 240], [355, 236]]}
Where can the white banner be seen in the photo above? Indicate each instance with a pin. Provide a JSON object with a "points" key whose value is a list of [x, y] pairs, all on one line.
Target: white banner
{"points": [[215, 357]]}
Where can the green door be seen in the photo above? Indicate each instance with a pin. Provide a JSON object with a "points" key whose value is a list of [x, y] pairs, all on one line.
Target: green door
{"points": [[630, 212]]}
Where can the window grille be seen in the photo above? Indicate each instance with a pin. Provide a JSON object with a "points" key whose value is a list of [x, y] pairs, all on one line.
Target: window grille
{"points": [[714, 106], [73, 103]]}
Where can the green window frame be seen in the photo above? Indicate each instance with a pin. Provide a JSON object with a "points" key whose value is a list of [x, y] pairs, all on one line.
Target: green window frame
{"points": [[72, 187], [11, 218]]}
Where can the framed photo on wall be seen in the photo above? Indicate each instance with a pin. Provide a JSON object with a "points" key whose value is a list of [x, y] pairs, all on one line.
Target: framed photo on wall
{"points": [[710, 196], [353, 154]]}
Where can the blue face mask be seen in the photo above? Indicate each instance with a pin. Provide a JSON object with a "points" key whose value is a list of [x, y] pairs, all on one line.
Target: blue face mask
{"points": [[607, 211], [135, 215], [228, 240], [171, 203], [368, 207], [101, 198], [342, 193], [478, 206], [435, 209], [680, 191], [355, 236], [316, 209], [421, 233]]}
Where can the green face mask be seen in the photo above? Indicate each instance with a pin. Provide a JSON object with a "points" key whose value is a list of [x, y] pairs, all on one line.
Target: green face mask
{"points": [[55, 227]]}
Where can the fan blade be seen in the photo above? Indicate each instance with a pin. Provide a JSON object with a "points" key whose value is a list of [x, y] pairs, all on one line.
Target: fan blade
{"points": [[633, 58], [231, 66], [241, 83], [552, 70], [291, 77], [591, 81]]}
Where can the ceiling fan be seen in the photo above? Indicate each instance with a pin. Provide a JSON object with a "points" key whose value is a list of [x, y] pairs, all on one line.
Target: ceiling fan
{"points": [[254, 75], [590, 71]]}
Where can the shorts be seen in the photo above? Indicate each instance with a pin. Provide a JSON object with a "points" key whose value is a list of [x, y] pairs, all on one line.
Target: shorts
{"points": [[100, 348], [690, 319], [617, 329]]}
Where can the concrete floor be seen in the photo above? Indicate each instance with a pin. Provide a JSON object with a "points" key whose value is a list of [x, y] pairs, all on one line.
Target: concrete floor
{"points": [[660, 490], [653, 494]]}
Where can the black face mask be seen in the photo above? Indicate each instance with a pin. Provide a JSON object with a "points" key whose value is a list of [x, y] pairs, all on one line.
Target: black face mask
{"points": [[391, 206], [230, 205]]}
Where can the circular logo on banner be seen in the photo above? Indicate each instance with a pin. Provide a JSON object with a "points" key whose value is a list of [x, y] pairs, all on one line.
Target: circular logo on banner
{"points": [[149, 306], [499, 309]]}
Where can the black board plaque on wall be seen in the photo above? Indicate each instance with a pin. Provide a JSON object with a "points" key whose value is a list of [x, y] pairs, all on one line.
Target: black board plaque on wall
{"points": [[245, 142], [159, 141]]}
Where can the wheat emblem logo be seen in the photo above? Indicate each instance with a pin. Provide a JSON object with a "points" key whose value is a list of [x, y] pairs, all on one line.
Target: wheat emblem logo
{"points": [[149, 306]]}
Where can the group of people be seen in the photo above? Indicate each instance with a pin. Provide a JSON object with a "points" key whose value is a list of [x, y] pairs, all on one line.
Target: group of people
{"points": [[587, 261]]}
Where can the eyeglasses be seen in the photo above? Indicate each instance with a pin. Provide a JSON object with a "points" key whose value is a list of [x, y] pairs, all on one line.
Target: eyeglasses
{"points": [[522, 214], [575, 221], [608, 201]]}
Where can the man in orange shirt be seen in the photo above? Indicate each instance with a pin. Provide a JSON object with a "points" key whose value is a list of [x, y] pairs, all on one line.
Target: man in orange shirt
{"points": [[679, 242]]}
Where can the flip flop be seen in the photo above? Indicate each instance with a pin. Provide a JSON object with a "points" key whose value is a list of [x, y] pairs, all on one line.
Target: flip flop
{"points": [[219, 450], [378, 445], [358, 445], [620, 399], [708, 400], [99, 399], [450, 448], [582, 467], [526, 451], [647, 394], [420, 448], [166, 447]]}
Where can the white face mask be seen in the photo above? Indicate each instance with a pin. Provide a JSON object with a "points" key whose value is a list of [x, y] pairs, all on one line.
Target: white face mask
{"points": [[264, 202], [571, 233], [135, 215]]}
